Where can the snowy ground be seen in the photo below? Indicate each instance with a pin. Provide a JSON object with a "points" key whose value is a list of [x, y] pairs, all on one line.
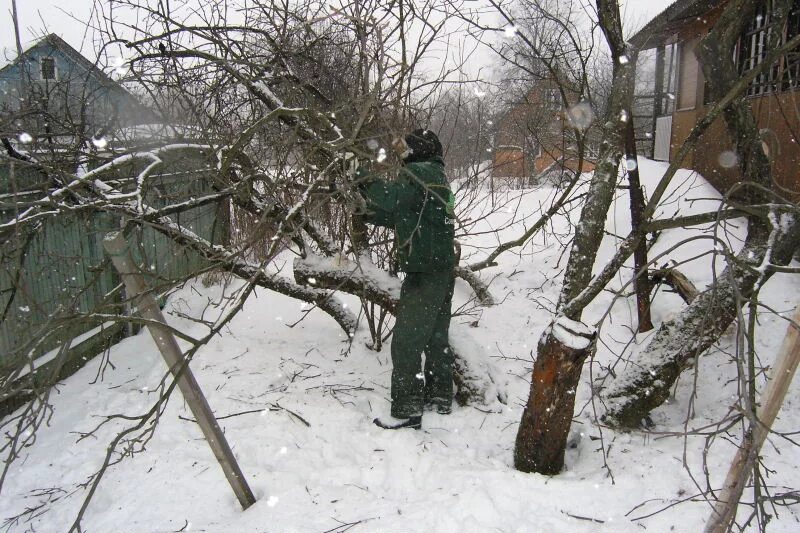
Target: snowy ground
{"points": [[341, 473]]}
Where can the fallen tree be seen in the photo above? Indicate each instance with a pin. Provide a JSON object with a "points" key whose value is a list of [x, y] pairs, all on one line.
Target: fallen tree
{"points": [[773, 236]]}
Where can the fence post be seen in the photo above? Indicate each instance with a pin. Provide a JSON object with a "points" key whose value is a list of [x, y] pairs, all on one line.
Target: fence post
{"points": [[147, 307], [781, 375]]}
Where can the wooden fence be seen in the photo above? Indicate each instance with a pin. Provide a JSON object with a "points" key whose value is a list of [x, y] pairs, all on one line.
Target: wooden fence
{"points": [[64, 272]]}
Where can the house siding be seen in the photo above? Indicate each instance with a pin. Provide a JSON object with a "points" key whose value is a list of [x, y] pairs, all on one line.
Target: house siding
{"points": [[531, 136], [778, 121], [776, 116]]}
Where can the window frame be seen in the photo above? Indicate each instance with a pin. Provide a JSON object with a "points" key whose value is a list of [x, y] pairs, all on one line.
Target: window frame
{"points": [[48, 60], [752, 47]]}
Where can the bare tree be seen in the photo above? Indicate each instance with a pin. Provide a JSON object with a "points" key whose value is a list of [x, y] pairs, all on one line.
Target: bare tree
{"points": [[567, 343], [263, 115]]}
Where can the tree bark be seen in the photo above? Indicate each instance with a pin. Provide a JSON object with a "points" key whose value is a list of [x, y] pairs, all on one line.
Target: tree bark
{"points": [[648, 379], [543, 430], [541, 440], [641, 282], [678, 281]]}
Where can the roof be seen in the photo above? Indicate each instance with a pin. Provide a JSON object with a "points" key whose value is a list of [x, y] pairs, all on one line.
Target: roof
{"points": [[669, 21], [60, 44]]}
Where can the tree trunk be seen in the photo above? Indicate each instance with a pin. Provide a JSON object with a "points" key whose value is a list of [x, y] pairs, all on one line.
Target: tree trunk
{"points": [[641, 282], [542, 437], [649, 377], [542, 434]]}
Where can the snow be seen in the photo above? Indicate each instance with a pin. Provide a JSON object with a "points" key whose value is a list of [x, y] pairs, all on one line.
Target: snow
{"points": [[263, 377], [374, 276], [572, 334]]}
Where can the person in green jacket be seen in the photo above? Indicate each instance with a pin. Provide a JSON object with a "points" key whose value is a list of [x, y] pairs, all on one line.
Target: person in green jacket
{"points": [[419, 205]]}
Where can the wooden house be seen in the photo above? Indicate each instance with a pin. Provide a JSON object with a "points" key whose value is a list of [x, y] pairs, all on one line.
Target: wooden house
{"points": [[681, 98], [533, 137], [53, 92], [59, 111]]}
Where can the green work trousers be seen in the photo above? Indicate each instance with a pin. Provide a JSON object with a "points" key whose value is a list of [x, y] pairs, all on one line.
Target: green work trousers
{"points": [[421, 325]]}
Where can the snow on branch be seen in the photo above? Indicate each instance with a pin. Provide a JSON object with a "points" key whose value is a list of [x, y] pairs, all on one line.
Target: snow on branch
{"points": [[361, 278], [364, 279]]}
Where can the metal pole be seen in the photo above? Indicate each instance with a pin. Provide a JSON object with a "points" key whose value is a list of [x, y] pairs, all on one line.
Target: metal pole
{"points": [[147, 307]]}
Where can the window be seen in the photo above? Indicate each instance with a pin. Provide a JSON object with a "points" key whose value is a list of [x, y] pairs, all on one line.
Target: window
{"points": [[669, 79], [754, 44], [48, 66], [790, 73], [553, 98]]}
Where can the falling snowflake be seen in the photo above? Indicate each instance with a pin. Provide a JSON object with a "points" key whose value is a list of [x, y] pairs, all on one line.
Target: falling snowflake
{"points": [[272, 501], [120, 65], [623, 60], [99, 142], [728, 159], [631, 164], [510, 31], [25, 138], [381, 155], [580, 116]]}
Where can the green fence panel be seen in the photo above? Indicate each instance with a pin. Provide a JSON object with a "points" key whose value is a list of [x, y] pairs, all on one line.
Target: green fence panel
{"points": [[65, 270]]}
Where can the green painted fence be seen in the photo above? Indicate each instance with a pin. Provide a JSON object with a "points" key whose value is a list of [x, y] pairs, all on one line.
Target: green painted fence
{"points": [[64, 273]]}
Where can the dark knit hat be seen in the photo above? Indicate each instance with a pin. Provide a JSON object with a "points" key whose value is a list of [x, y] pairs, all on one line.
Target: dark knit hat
{"points": [[422, 145]]}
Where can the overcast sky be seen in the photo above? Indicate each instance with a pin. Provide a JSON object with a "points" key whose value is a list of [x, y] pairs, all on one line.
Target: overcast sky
{"points": [[67, 18]]}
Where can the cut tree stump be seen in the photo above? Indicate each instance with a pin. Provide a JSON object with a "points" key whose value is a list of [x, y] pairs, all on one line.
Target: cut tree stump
{"points": [[542, 436]]}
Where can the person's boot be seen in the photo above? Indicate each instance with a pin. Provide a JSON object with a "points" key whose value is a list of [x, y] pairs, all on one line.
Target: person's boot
{"points": [[439, 405], [390, 422]]}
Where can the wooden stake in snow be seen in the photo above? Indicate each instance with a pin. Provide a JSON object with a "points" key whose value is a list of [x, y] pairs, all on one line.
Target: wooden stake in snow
{"points": [[147, 307], [781, 376]]}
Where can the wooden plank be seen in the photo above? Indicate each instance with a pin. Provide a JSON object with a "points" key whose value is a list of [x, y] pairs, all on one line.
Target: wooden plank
{"points": [[781, 375], [147, 307]]}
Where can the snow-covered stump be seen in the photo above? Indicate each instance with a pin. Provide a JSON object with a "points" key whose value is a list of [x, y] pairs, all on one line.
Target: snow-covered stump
{"points": [[544, 428], [477, 381]]}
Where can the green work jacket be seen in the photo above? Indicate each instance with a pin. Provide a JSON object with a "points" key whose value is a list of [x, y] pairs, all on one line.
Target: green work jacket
{"points": [[418, 205]]}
